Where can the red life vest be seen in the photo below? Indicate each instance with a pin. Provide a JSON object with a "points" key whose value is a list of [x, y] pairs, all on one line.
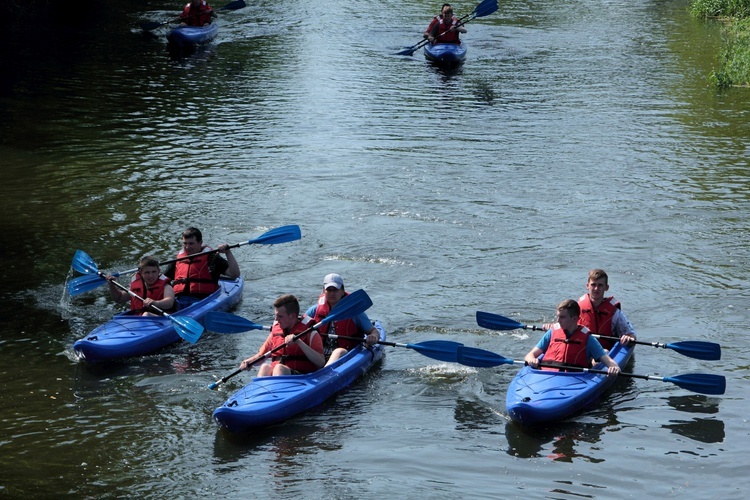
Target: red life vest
{"points": [[345, 327], [569, 350], [193, 276], [292, 355], [155, 292], [599, 320], [200, 17], [450, 36]]}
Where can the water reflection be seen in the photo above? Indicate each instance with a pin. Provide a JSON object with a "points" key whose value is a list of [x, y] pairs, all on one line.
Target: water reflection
{"points": [[705, 430]]}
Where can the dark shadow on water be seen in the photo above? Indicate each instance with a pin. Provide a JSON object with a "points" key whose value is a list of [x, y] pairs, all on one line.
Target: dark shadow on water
{"points": [[705, 430]]}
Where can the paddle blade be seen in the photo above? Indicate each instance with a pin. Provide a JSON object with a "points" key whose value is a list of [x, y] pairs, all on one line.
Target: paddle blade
{"points": [[83, 263], [496, 322], [222, 322], [238, 4], [697, 349], [472, 356], [282, 234], [353, 304], [442, 350], [187, 328], [213, 385], [485, 8], [409, 51], [700, 382], [151, 26], [83, 284]]}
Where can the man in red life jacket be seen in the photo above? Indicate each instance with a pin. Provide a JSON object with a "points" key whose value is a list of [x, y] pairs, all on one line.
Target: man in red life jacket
{"points": [[303, 355], [570, 343], [603, 315], [359, 326], [197, 13], [198, 277], [445, 27], [149, 284]]}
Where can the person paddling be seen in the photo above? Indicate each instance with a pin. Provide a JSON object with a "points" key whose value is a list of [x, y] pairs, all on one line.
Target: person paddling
{"points": [[197, 13], [570, 343], [150, 285], [444, 28]]}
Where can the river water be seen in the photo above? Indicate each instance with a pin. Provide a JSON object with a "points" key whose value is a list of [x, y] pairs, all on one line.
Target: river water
{"points": [[577, 135]]}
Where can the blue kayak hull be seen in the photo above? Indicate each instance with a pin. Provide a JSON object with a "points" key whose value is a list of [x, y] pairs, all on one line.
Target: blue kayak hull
{"points": [[271, 400], [539, 396], [445, 53], [127, 335], [188, 36]]}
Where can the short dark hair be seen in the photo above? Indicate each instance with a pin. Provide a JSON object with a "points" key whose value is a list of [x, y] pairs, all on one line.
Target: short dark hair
{"points": [[289, 303], [148, 261], [192, 232], [571, 306]]}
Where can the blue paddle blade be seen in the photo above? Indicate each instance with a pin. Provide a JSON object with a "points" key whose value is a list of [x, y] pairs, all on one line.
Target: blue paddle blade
{"points": [[486, 8], [708, 351], [442, 350], [83, 263], [472, 356], [496, 322], [187, 328], [353, 304], [700, 382], [83, 284], [283, 234], [237, 4], [223, 322]]}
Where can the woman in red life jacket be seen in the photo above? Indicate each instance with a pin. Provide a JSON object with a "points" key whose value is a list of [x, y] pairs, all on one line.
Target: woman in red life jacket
{"points": [[570, 343], [603, 315], [298, 356], [197, 13], [149, 284], [198, 276], [445, 28], [359, 326]]}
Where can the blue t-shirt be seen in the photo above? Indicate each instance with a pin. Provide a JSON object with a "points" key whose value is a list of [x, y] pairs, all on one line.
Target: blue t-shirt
{"points": [[593, 348], [361, 320]]}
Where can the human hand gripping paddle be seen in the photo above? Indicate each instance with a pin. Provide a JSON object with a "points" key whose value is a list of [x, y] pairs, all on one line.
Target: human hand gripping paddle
{"points": [[353, 304], [187, 328], [708, 351], [485, 8], [237, 4], [83, 263], [442, 350]]}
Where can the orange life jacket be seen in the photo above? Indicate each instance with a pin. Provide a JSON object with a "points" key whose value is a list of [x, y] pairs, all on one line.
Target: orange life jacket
{"points": [[599, 320], [569, 350], [155, 292], [292, 355], [193, 276], [344, 327]]}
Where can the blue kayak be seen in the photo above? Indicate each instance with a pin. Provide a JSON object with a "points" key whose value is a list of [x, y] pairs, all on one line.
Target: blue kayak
{"points": [[271, 400], [190, 36], [445, 53], [126, 335], [542, 396]]}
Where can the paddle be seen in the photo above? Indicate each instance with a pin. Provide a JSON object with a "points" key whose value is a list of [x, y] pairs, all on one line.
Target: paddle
{"points": [[224, 322], [187, 328], [237, 4], [353, 304], [696, 382], [485, 8], [443, 350], [82, 262], [697, 349]]}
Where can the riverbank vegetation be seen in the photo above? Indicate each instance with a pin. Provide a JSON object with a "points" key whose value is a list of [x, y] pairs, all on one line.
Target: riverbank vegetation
{"points": [[734, 58]]}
